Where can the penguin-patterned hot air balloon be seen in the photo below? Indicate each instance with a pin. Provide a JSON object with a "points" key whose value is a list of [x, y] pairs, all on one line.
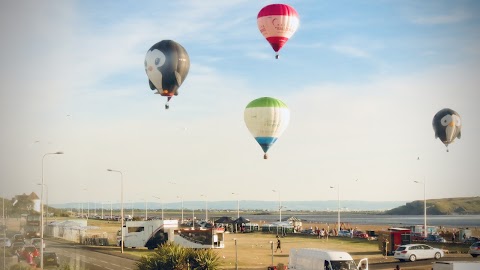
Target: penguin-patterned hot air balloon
{"points": [[266, 119], [277, 23], [166, 64], [447, 125]]}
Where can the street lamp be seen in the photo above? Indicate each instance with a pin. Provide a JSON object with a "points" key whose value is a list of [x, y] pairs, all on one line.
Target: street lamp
{"points": [[279, 204], [146, 209], [181, 198], [424, 205], [236, 254], [121, 204], [338, 208], [238, 204], [206, 206], [46, 204], [41, 207], [88, 205], [161, 202]]}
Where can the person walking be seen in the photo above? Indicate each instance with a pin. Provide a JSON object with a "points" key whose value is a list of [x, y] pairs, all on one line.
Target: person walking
{"points": [[279, 245]]}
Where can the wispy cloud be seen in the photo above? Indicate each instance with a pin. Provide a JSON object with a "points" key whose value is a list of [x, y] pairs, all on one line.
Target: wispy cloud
{"points": [[454, 16], [350, 51]]}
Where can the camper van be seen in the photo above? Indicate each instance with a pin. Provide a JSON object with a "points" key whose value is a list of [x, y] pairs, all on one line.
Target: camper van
{"points": [[318, 259], [152, 233], [148, 234]]}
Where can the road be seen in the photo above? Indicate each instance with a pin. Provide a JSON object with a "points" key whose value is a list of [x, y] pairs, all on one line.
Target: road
{"points": [[421, 264], [79, 257]]}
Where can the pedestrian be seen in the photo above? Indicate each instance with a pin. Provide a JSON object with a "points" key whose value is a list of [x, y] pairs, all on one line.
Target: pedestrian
{"points": [[453, 237], [397, 267], [279, 245]]}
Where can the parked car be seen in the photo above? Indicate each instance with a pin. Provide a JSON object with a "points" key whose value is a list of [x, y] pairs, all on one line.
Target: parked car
{"points": [[474, 249], [24, 253], [417, 237], [15, 247], [308, 231], [360, 234], [18, 238], [49, 259], [471, 240], [5, 242], [413, 252], [435, 238], [344, 233], [37, 242]]}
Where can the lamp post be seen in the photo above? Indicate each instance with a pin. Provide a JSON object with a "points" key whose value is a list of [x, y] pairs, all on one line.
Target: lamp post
{"points": [[236, 254], [206, 206], [4, 231], [181, 198], [161, 202], [88, 205], [338, 207], [121, 204], [46, 204], [279, 204], [41, 207], [424, 205], [271, 247], [238, 204]]}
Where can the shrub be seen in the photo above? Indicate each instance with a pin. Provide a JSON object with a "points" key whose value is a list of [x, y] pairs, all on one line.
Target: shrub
{"points": [[175, 257]]}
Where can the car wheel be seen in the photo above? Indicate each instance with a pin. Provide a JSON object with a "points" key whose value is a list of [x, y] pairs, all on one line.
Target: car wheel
{"points": [[413, 258], [474, 255], [437, 255]]}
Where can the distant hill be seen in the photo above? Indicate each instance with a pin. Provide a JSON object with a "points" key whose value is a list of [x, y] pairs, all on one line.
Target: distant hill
{"points": [[447, 206], [330, 205]]}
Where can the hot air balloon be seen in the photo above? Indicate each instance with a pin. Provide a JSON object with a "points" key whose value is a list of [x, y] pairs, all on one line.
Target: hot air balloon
{"points": [[277, 23], [266, 118], [447, 125], [166, 64]]}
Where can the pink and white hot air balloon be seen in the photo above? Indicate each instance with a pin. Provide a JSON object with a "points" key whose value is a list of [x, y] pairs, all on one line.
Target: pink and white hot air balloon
{"points": [[277, 23]]}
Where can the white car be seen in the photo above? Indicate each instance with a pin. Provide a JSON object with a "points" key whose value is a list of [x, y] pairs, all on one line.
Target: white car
{"points": [[344, 233], [413, 252]]}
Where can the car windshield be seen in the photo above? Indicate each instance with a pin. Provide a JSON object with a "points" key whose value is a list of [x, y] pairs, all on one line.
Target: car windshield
{"points": [[343, 265], [400, 248]]}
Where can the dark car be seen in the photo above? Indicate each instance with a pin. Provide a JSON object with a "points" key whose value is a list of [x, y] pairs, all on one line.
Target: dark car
{"points": [[471, 240], [435, 238], [18, 238], [417, 237], [15, 247], [49, 259]]}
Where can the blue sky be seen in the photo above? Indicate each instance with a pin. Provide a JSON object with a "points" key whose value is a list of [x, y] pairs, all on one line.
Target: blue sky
{"points": [[362, 79]]}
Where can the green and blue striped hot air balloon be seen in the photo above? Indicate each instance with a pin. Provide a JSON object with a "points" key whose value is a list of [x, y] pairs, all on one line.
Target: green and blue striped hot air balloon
{"points": [[266, 118]]}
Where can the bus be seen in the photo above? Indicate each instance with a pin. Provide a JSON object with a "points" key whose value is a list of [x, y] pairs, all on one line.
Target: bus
{"points": [[32, 226]]}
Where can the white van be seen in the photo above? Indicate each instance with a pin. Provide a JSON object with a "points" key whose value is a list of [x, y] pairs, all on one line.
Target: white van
{"points": [[318, 259], [456, 265]]}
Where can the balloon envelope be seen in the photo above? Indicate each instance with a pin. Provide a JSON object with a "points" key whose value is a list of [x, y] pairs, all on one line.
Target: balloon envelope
{"points": [[447, 125], [277, 23], [166, 64], [266, 118]]}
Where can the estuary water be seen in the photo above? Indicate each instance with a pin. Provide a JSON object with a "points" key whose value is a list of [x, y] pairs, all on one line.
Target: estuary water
{"points": [[458, 221]]}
